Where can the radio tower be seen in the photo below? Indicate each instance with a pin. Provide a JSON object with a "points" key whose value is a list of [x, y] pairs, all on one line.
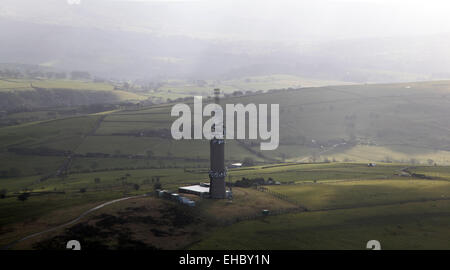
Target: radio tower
{"points": [[218, 171]]}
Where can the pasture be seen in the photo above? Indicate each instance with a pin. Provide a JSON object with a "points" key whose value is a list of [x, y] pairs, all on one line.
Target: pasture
{"points": [[405, 226], [353, 123], [327, 135], [360, 192]]}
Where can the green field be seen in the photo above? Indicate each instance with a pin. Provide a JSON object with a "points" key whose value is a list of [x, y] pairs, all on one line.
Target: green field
{"points": [[362, 193], [250, 83], [406, 226], [307, 173], [342, 199], [402, 213], [328, 135], [396, 123], [26, 84], [399, 123]]}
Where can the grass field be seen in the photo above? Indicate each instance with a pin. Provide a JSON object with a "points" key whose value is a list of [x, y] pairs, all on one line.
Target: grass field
{"points": [[25, 84], [400, 123], [328, 135], [400, 212], [360, 193], [344, 198], [63, 134], [303, 173], [403, 123], [250, 83], [406, 226]]}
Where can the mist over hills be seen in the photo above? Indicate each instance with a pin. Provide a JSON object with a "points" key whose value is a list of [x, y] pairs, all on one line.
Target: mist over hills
{"points": [[197, 40], [87, 90], [406, 123]]}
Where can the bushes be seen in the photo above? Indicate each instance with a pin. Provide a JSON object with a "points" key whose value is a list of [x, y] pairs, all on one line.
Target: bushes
{"points": [[247, 182], [157, 185], [136, 186], [23, 196], [3, 193], [248, 161]]}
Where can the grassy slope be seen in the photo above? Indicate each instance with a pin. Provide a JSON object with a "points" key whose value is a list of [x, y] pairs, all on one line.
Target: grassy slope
{"points": [[405, 124], [401, 213], [396, 122], [378, 122], [19, 93], [327, 193], [25, 84], [408, 120], [364, 193], [407, 226], [393, 122], [252, 83]]}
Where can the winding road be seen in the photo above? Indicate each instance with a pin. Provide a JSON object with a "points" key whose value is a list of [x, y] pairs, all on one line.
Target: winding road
{"points": [[70, 222]]}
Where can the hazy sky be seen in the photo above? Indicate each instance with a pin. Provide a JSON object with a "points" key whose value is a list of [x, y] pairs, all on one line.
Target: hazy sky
{"points": [[336, 39], [332, 18], [284, 20]]}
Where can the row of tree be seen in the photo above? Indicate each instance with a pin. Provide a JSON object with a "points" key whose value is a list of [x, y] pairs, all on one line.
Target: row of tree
{"points": [[16, 74]]}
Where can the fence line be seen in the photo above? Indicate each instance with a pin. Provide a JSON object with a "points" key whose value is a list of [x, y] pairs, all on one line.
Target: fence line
{"points": [[299, 208], [281, 196]]}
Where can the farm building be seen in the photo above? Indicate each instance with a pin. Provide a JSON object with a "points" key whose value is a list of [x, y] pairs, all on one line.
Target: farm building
{"points": [[165, 194], [201, 190], [235, 165]]}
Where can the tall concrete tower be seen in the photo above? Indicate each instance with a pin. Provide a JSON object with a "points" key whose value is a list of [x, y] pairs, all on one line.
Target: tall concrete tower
{"points": [[217, 171]]}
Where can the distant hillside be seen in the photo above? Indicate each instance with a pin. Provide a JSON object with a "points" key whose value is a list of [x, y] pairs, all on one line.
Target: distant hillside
{"points": [[145, 55], [386, 122], [16, 94], [406, 123]]}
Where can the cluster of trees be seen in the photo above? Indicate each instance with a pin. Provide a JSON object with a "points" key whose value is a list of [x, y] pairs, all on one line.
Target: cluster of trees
{"points": [[54, 113], [180, 99], [249, 182], [157, 184], [93, 167], [23, 196], [48, 75], [243, 93], [11, 73], [3, 193], [248, 161], [33, 73], [160, 133], [80, 75]]}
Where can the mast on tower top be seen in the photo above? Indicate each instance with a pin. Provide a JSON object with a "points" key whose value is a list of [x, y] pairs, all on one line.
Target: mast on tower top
{"points": [[217, 95]]}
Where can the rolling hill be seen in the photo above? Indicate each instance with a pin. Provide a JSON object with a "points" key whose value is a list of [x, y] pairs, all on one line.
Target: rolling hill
{"points": [[20, 94], [71, 164], [403, 123]]}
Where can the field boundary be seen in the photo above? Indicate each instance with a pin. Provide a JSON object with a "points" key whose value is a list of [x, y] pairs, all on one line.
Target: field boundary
{"points": [[281, 196], [73, 221]]}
